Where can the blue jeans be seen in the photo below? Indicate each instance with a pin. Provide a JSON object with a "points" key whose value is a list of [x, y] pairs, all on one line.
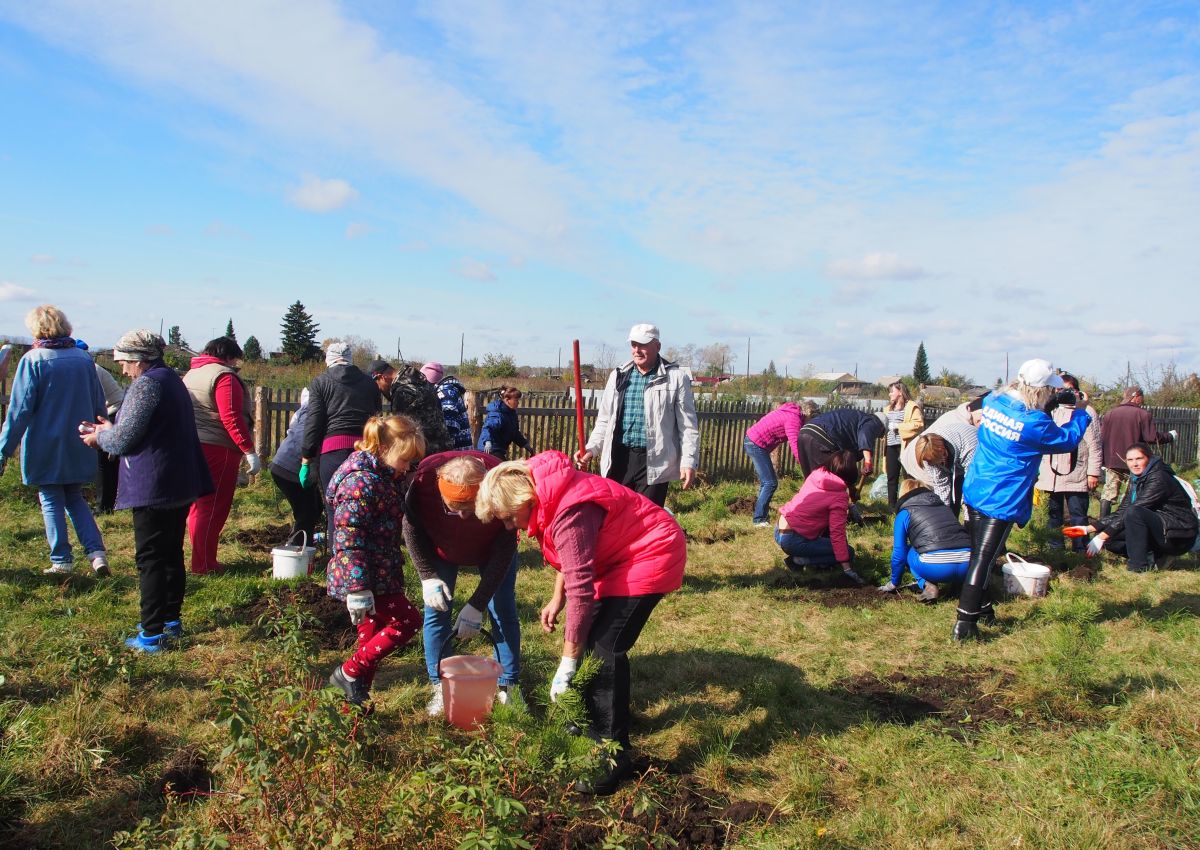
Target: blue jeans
{"points": [[58, 502], [768, 483], [819, 551], [506, 629], [936, 573]]}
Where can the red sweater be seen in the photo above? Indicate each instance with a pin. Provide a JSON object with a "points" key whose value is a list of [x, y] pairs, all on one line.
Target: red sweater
{"points": [[822, 503]]}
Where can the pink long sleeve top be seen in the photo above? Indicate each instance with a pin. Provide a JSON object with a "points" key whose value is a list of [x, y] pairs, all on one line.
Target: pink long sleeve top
{"points": [[782, 423], [822, 503]]}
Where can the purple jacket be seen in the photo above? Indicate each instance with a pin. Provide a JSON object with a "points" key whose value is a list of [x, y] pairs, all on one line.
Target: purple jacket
{"points": [[782, 423], [367, 499]]}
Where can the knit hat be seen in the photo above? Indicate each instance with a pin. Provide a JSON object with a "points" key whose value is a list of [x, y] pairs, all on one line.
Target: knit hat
{"points": [[338, 354], [139, 345], [433, 371]]}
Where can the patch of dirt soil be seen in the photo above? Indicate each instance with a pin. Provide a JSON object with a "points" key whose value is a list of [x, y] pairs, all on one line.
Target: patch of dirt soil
{"points": [[1081, 573], [955, 699], [743, 505], [332, 623], [831, 591], [186, 775], [690, 815], [712, 534], [265, 539]]}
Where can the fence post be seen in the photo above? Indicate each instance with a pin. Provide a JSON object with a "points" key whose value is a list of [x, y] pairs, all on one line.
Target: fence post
{"points": [[473, 415], [262, 422]]}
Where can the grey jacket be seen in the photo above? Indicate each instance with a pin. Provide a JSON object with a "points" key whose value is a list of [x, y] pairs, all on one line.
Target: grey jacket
{"points": [[672, 430], [1068, 473]]}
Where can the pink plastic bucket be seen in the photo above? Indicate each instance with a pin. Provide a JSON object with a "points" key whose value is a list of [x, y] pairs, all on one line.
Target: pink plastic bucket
{"points": [[468, 689]]}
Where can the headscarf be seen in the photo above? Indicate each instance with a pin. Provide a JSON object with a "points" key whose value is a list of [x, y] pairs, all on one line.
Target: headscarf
{"points": [[338, 354], [141, 344]]}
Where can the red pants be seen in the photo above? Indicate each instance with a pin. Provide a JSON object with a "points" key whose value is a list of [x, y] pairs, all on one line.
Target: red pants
{"points": [[393, 624], [208, 514]]}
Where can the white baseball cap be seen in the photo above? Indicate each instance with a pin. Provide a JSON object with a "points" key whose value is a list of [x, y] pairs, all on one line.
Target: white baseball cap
{"points": [[642, 334], [1039, 373]]}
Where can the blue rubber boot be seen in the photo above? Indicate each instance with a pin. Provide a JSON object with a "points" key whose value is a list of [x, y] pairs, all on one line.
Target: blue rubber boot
{"points": [[141, 642]]}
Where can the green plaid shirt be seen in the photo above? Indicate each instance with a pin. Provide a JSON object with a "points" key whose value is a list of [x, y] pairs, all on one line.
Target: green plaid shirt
{"points": [[633, 416]]}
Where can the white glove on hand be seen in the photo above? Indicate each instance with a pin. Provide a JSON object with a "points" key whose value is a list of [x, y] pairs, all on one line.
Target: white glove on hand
{"points": [[1094, 547], [436, 594], [562, 679], [360, 604], [469, 622], [1174, 435], [253, 464], [887, 588]]}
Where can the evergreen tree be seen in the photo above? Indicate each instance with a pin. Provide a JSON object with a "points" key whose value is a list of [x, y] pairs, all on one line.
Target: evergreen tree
{"points": [[229, 331], [770, 371], [252, 351], [920, 371], [175, 338], [299, 335]]}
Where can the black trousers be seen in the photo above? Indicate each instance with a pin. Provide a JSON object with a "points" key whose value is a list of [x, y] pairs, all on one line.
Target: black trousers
{"points": [[891, 455], [330, 461], [629, 468], [110, 466], [306, 504], [158, 551], [987, 539], [1144, 533], [616, 625]]}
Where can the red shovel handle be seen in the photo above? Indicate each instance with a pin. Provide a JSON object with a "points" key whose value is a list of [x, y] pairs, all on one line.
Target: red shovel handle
{"points": [[578, 395]]}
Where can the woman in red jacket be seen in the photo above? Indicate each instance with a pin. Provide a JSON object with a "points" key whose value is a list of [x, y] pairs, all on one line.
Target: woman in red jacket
{"points": [[812, 526], [617, 554]]}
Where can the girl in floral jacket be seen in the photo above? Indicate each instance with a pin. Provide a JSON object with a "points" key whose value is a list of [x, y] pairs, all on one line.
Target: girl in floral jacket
{"points": [[366, 495]]}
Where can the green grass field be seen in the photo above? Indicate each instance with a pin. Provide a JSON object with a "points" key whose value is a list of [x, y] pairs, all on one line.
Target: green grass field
{"points": [[771, 710]]}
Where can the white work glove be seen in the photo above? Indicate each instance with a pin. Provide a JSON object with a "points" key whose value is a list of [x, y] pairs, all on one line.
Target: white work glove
{"points": [[1173, 434], [360, 604], [1094, 547], [436, 594], [469, 622], [887, 588], [253, 464], [562, 679]]}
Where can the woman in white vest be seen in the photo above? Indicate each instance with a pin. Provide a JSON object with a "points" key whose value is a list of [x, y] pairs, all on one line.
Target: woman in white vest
{"points": [[224, 422]]}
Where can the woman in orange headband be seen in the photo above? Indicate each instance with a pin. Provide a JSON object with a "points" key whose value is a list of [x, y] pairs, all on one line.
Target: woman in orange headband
{"points": [[442, 534]]}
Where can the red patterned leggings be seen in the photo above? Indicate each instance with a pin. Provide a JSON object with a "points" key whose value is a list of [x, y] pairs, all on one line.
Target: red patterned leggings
{"points": [[393, 624]]}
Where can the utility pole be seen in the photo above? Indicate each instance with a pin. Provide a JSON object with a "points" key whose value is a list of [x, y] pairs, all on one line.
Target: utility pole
{"points": [[1006, 367], [462, 346], [747, 358]]}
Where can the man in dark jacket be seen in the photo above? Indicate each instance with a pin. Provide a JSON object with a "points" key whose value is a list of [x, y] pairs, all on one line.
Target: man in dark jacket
{"points": [[844, 429], [1124, 425], [410, 394], [340, 401]]}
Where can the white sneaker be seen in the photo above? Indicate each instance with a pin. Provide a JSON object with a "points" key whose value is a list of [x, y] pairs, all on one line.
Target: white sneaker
{"points": [[509, 695], [435, 708], [763, 524], [59, 570], [100, 564]]}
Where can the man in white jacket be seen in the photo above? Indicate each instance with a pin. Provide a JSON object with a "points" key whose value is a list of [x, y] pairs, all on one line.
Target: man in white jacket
{"points": [[646, 433]]}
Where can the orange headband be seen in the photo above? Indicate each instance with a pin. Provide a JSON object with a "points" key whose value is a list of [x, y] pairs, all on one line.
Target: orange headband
{"points": [[457, 493]]}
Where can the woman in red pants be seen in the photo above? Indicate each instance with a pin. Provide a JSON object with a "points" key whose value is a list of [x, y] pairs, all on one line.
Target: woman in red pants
{"points": [[367, 567], [224, 423]]}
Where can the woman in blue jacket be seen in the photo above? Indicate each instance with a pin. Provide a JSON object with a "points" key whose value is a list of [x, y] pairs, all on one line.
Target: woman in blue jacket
{"points": [[928, 539], [1015, 432], [501, 427], [54, 391]]}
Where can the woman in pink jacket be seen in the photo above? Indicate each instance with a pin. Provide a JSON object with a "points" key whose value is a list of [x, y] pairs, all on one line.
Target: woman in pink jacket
{"points": [[781, 425], [812, 526], [617, 554]]}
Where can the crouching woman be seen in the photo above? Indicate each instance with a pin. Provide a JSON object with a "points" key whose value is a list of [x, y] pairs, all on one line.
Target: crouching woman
{"points": [[367, 567], [1155, 519], [617, 554], [812, 526], [928, 539]]}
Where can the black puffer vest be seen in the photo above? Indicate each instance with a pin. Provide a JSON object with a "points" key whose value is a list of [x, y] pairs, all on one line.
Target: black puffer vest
{"points": [[932, 526]]}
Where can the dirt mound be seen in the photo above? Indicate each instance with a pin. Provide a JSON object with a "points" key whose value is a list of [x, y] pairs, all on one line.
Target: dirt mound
{"points": [[956, 698], [186, 775], [329, 620], [690, 815], [1081, 573], [711, 534], [264, 539], [743, 505]]}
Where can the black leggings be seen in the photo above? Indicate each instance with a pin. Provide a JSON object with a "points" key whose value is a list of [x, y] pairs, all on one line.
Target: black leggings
{"points": [[987, 539], [891, 455], [306, 504], [618, 622]]}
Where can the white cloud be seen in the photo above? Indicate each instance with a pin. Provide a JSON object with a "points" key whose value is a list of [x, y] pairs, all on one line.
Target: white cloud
{"points": [[42, 259], [11, 292], [1119, 328], [875, 266], [317, 195], [474, 270], [357, 229], [1166, 341]]}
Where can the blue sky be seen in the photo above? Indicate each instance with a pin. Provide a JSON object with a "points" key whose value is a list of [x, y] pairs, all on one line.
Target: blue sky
{"points": [[836, 181]]}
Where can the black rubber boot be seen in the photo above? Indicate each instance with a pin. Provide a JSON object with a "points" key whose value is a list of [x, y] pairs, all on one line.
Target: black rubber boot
{"points": [[1105, 508], [610, 777], [964, 630]]}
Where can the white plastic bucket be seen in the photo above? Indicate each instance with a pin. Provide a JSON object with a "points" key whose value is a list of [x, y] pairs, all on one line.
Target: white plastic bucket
{"points": [[1024, 578], [289, 561]]}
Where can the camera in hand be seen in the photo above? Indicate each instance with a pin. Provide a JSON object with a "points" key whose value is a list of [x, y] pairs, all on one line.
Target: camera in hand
{"points": [[1066, 397]]}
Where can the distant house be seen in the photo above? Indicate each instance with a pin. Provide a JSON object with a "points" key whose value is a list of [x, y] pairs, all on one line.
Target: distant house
{"points": [[934, 393], [847, 384], [711, 380], [888, 380]]}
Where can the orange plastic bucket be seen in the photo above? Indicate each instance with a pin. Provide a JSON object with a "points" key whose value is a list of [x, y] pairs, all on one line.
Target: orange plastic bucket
{"points": [[468, 689]]}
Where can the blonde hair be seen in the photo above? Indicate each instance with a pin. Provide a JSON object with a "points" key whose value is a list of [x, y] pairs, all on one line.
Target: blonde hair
{"points": [[904, 399], [47, 322], [505, 489], [391, 438], [910, 484], [1035, 398], [464, 471]]}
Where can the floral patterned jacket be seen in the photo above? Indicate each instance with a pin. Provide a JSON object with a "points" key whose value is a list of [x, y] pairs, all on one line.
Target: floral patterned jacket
{"points": [[368, 510]]}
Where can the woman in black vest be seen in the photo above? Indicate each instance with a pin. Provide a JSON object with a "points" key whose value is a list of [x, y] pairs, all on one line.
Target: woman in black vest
{"points": [[928, 539]]}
